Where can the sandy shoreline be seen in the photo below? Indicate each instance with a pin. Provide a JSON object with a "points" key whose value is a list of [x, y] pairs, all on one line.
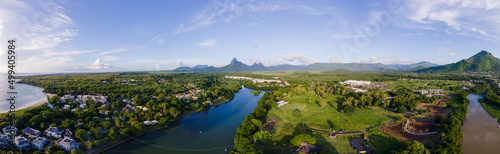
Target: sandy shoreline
{"points": [[34, 103]]}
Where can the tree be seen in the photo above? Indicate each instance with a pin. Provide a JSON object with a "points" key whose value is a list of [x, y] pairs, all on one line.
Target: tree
{"points": [[174, 112], [402, 109], [297, 140], [257, 123], [112, 134], [81, 134], [140, 126], [47, 115], [262, 136], [415, 148], [126, 132]]}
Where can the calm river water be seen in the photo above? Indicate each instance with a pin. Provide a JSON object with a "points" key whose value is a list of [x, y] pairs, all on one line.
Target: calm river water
{"points": [[218, 126], [481, 133]]}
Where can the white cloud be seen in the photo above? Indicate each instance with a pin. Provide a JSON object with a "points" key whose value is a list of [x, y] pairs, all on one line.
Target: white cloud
{"points": [[98, 65], [299, 58], [251, 61], [40, 32], [336, 59], [109, 58], [117, 50], [473, 18], [415, 34], [225, 11], [439, 54], [372, 59], [452, 54], [209, 42], [160, 41]]}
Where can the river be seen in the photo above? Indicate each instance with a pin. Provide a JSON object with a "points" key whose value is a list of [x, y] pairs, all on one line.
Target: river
{"points": [[481, 133], [217, 126]]}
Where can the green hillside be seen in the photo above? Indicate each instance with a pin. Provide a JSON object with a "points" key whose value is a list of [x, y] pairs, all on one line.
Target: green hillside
{"points": [[482, 61]]}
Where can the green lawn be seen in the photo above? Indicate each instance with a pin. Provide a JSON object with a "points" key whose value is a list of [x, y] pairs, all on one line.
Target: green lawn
{"points": [[295, 118], [339, 145]]}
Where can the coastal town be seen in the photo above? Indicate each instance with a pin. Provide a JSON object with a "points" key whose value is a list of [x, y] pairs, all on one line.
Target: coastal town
{"points": [[94, 121]]}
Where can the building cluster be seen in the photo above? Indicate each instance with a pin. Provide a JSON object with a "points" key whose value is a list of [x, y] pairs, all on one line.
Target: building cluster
{"points": [[32, 138], [152, 122], [356, 83], [192, 93], [432, 92], [256, 80], [127, 82], [282, 103], [83, 98]]}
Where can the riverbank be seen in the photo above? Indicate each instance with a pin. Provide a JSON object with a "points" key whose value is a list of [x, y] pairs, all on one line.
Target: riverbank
{"points": [[493, 110]]}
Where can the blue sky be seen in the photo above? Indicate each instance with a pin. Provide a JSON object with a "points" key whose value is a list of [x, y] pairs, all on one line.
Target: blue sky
{"points": [[101, 36]]}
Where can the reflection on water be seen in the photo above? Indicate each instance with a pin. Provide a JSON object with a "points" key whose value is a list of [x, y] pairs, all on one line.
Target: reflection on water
{"points": [[206, 132], [481, 133]]}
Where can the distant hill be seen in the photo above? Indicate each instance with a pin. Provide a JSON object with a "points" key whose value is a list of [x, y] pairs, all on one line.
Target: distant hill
{"points": [[411, 66], [482, 61], [237, 66]]}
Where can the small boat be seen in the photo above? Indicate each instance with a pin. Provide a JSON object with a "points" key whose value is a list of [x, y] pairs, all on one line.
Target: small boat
{"points": [[200, 132]]}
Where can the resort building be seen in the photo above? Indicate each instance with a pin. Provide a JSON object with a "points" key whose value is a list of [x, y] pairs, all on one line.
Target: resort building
{"points": [[356, 83], [40, 143], [4, 145], [432, 91], [9, 130], [67, 144], [31, 133], [4, 138], [68, 134], [281, 103], [54, 132], [21, 143], [253, 80]]}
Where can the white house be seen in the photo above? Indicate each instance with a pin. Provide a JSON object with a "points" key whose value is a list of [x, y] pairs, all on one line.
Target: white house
{"points": [[39, 143], [356, 83], [54, 132], [21, 143], [10, 130], [31, 133], [147, 122], [4, 138], [154, 121], [281, 103], [67, 144]]}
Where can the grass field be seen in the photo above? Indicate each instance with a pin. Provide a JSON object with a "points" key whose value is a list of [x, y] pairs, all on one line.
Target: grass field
{"points": [[493, 110], [298, 117]]}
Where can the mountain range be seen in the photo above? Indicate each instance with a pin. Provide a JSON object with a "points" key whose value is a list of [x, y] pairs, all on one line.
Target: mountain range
{"points": [[482, 61]]}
